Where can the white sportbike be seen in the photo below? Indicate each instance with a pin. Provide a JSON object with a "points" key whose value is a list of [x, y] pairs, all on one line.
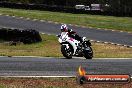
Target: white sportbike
{"points": [[71, 47]]}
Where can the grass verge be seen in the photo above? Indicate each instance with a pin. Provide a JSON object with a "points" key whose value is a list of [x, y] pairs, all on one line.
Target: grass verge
{"points": [[50, 47], [53, 83], [96, 21]]}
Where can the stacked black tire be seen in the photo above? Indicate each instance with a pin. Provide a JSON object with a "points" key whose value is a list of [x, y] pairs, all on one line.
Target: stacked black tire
{"points": [[27, 36]]}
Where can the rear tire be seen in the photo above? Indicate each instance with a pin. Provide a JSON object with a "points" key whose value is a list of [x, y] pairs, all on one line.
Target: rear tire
{"points": [[88, 54], [66, 52]]}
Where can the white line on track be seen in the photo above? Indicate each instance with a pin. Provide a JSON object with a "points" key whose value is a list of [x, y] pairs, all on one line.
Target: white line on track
{"points": [[50, 22], [56, 23], [90, 27], [98, 28], [35, 19], [7, 15], [21, 17], [42, 20], [28, 18], [130, 46]]}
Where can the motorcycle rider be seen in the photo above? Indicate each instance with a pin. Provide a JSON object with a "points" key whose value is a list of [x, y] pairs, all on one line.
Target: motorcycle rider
{"points": [[71, 33]]}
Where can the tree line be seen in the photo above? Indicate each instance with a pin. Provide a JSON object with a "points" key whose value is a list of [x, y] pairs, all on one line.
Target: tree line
{"points": [[114, 6]]}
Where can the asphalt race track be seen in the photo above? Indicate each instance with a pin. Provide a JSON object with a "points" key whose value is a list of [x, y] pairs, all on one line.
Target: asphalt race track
{"points": [[51, 28], [29, 66]]}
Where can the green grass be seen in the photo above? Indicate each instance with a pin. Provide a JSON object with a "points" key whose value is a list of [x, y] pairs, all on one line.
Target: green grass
{"points": [[96, 21], [50, 47], [2, 86], [111, 51]]}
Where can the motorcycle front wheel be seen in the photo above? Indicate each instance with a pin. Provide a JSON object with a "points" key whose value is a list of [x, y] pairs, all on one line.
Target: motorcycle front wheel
{"points": [[66, 52]]}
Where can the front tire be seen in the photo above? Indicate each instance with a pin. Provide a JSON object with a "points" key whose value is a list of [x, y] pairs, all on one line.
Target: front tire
{"points": [[66, 52], [88, 54]]}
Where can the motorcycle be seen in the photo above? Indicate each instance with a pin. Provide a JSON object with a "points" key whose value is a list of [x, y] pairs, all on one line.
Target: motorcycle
{"points": [[71, 47]]}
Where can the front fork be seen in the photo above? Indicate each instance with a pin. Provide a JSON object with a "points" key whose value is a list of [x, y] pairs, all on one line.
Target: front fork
{"points": [[86, 46]]}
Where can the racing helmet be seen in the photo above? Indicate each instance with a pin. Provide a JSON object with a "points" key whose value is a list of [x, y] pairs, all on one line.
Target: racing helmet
{"points": [[64, 27]]}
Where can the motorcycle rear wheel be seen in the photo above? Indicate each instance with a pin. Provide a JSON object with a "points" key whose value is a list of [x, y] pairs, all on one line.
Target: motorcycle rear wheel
{"points": [[88, 54]]}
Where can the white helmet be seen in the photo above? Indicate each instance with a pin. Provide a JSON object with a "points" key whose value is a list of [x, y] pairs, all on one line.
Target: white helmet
{"points": [[64, 27]]}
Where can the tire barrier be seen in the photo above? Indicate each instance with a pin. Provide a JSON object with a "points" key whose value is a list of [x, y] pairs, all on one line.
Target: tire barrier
{"points": [[26, 36]]}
